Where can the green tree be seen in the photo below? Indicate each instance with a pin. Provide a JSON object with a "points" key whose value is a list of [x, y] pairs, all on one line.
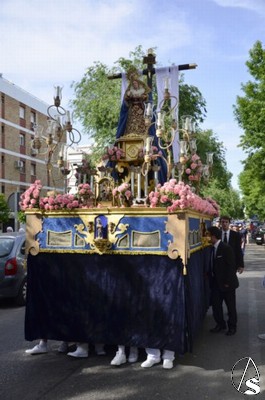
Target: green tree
{"points": [[250, 115], [208, 142], [228, 199], [219, 186], [252, 182], [4, 210]]}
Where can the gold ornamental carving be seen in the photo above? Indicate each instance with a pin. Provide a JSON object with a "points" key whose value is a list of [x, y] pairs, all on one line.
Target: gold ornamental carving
{"points": [[91, 230]]}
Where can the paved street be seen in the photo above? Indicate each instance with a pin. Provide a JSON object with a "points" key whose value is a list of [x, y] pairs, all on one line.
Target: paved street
{"points": [[204, 374]]}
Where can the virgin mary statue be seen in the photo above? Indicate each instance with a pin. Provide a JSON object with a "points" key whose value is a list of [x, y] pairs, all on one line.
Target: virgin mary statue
{"points": [[132, 111]]}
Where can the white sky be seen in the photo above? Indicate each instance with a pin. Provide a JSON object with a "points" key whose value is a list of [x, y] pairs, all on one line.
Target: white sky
{"points": [[45, 42]]}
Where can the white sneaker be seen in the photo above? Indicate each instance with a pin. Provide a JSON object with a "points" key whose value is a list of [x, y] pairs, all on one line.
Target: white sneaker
{"points": [[133, 356], [167, 364], [119, 359], [40, 348], [81, 352], [63, 348], [261, 336], [149, 362]]}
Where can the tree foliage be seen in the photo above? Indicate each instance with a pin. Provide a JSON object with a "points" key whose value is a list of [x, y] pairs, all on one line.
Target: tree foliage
{"points": [[250, 115], [208, 142], [219, 186], [4, 209]]}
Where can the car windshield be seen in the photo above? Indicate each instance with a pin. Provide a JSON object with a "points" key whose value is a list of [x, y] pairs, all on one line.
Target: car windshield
{"points": [[6, 245]]}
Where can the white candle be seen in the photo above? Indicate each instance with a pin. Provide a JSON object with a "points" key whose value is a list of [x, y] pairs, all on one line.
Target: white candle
{"points": [[156, 179], [91, 182], [146, 185], [166, 82], [68, 116], [149, 110], [139, 185], [159, 118], [148, 144], [132, 183]]}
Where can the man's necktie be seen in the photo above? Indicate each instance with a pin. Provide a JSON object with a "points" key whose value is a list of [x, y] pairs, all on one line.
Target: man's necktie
{"points": [[225, 237]]}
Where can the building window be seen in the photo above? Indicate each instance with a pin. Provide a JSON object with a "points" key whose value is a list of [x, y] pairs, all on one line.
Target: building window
{"points": [[22, 139], [21, 166], [22, 112], [33, 169], [3, 106], [3, 159], [3, 189], [33, 120]]}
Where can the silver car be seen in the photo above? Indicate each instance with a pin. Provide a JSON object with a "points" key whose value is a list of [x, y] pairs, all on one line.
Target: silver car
{"points": [[13, 274]]}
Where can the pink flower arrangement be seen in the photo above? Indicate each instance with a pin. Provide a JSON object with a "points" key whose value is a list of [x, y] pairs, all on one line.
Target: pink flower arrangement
{"points": [[31, 197], [122, 189], [113, 154], [179, 196], [193, 168], [122, 194], [84, 190], [59, 202]]}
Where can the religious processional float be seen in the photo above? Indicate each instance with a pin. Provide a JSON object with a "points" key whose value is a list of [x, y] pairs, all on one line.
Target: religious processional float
{"points": [[140, 208]]}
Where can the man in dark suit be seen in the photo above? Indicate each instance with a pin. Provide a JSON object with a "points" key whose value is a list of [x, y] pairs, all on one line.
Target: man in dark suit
{"points": [[223, 283], [234, 240]]}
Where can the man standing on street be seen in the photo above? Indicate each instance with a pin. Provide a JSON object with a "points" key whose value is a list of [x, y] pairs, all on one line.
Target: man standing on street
{"points": [[234, 240], [223, 283]]}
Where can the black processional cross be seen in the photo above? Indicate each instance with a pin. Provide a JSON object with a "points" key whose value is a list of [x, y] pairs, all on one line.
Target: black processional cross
{"points": [[150, 60]]}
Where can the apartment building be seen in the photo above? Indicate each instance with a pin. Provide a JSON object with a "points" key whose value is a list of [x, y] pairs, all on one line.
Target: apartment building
{"points": [[20, 164]]}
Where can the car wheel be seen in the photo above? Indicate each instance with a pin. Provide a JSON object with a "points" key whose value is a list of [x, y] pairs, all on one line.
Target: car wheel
{"points": [[21, 297]]}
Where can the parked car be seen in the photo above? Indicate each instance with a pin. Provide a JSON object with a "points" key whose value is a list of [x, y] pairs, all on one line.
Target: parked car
{"points": [[13, 274], [259, 236]]}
